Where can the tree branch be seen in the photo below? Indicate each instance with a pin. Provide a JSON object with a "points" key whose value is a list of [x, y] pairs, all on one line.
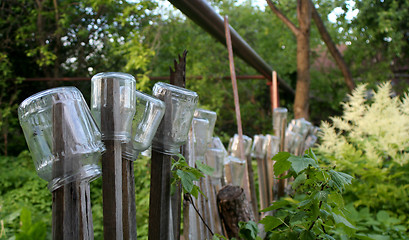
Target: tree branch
{"points": [[332, 48], [283, 18]]}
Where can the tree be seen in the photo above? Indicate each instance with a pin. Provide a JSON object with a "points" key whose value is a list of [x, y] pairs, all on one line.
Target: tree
{"points": [[379, 43], [305, 11], [66, 38], [302, 34]]}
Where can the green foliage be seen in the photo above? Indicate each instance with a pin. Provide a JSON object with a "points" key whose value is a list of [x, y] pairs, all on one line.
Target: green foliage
{"points": [[24, 194], [29, 230], [317, 207], [248, 230], [187, 175], [370, 141]]}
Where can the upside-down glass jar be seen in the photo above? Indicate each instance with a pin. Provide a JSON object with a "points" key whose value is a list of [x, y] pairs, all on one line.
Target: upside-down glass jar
{"points": [[234, 170], [63, 138], [113, 104], [271, 145], [148, 115], [257, 148], [200, 129], [215, 159], [174, 128], [234, 148], [210, 116]]}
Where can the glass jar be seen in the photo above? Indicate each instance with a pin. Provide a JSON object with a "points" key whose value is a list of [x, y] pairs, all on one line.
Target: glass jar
{"points": [[271, 145], [234, 170], [215, 159], [234, 148], [210, 116], [63, 138], [113, 104], [148, 115], [200, 129], [257, 148], [174, 128]]}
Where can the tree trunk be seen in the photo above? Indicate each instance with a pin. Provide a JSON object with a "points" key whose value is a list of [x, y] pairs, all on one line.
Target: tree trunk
{"points": [[301, 102], [333, 49]]}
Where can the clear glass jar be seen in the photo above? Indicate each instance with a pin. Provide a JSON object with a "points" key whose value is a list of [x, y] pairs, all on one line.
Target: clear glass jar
{"points": [[113, 104], [234, 170], [200, 129], [279, 119], [234, 149], [63, 138], [217, 143], [301, 126], [174, 128], [271, 145], [148, 115], [257, 148], [210, 116], [215, 159]]}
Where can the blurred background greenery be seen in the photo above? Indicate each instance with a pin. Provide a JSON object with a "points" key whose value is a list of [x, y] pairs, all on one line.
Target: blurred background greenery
{"points": [[53, 39]]}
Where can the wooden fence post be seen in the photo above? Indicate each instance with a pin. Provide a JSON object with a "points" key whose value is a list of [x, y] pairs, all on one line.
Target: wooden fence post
{"points": [[160, 200], [112, 163], [71, 208]]}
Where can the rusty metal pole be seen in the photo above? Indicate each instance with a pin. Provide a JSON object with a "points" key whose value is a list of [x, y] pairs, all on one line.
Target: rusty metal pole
{"points": [[246, 183], [275, 97]]}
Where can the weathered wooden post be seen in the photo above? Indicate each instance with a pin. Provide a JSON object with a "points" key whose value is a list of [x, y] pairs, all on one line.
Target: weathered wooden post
{"points": [[171, 135], [148, 115], [215, 159], [259, 155], [279, 127], [190, 219], [200, 134], [65, 144], [113, 107], [270, 148]]}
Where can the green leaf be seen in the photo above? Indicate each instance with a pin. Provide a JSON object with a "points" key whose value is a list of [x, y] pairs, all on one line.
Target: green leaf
{"points": [[25, 219], [340, 179], [186, 178], [311, 154], [307, 235], [336, 198], [340, 219], [281, 163], [204, 168], [270, 223], [298, 218], [322, 195], [301, 163], [248, 230], [299, 180], [276, 205]]}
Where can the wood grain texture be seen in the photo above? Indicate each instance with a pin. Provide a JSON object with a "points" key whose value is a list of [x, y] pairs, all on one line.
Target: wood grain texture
{"points": [[159, 202], [233, 208], [112, 164], [71, 206]]}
